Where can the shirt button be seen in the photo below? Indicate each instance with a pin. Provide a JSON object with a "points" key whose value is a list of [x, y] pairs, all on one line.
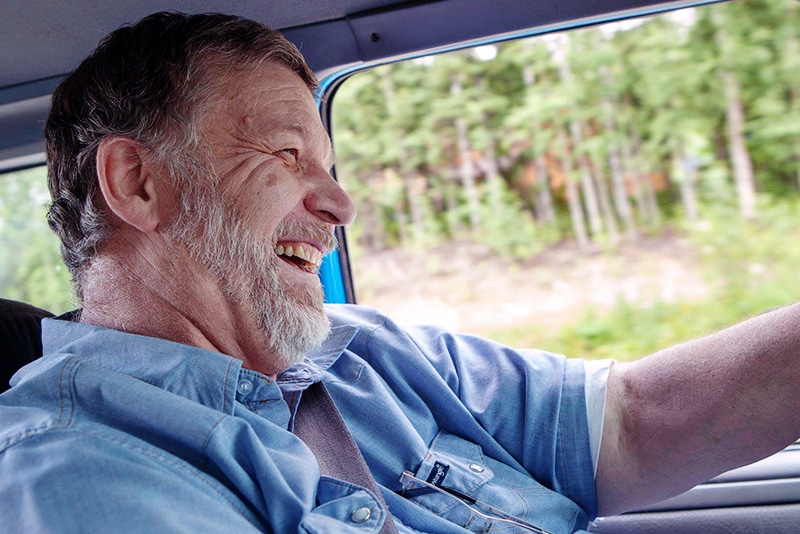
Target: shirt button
{"points": [[360, 515], [476, 468], [245, 386]]}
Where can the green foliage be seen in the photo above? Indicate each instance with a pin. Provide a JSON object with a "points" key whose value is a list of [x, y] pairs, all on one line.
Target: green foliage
{"points": [[751, 267], [754, 263], [650, 92], [501, 211], [31, 269]]}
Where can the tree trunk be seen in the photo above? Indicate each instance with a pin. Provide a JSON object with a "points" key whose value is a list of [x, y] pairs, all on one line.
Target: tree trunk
{"points": [[543, 198], [590, 199], [635, 181], [466, 167], [491, 168], [646, 183], [373, 236], [794, 99], [743, 177], [451, 187], [689, 196], [605, 203], [587, 184], [402, 227], [620, 194], [740, 158], [797, 156], [573, 195], [415, 185], [416, 192], [686, 173], [589, 194]]}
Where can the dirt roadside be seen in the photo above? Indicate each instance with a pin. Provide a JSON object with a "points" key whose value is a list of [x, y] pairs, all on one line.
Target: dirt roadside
{"points": [[464, 286]]}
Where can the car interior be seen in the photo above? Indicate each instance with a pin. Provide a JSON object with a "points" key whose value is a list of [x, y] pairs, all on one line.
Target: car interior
{"points": [[43, 40]]}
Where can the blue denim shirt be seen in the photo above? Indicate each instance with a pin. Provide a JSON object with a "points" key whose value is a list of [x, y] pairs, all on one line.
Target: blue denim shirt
{"points": [[123, 433]]}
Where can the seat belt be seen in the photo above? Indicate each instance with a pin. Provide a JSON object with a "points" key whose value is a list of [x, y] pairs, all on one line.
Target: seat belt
{"points": [[321, 427]]}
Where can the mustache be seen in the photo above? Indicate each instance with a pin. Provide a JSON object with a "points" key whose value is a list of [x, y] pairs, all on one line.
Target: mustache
{"points": [[317, 233]]}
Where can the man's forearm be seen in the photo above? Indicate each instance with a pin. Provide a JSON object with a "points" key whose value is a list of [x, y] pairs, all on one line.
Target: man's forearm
{"points": [[689, 412]]}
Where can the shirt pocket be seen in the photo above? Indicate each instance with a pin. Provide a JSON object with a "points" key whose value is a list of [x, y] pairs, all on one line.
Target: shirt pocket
{"points": [[457, 482]]}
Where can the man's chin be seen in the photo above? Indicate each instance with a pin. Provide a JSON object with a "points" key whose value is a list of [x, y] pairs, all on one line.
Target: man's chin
{"points": [[299, 329]]}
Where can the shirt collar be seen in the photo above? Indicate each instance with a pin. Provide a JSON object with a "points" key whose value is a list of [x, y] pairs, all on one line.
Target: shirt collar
{"points": [[318, 361], [204, 376]]}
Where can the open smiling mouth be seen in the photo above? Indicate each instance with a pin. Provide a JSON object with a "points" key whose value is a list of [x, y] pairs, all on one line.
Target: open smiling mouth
{"points": [[301, 255]]}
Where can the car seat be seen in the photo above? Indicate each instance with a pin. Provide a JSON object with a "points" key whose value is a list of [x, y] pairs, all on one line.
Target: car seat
{"points": [[20, 337]]}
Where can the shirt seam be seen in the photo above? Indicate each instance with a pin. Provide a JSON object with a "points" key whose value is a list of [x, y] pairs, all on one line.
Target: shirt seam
{"points": [[225, 389], [207, 438], [566, 475], [66, 380], [19, 437], [372, 333]]}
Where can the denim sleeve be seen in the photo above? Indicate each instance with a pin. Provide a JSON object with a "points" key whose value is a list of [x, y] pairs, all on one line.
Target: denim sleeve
{"points": [[533, 403], [526, 408]]}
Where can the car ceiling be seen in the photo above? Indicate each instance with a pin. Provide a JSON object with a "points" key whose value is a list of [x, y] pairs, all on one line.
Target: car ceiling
{"points": [[43, 40]]}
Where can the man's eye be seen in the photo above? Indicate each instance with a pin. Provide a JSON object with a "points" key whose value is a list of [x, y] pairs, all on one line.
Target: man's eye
{"points": [[291, 153]]}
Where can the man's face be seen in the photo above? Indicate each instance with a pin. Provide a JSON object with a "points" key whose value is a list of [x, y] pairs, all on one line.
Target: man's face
{"points": [[263, 229]]}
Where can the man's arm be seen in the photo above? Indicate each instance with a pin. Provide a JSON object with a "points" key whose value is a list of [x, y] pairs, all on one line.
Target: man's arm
{"points": [[690, 412]]}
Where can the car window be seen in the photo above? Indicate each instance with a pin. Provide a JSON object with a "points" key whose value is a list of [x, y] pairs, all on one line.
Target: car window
{"points": [[602, 192], [31, 269]]}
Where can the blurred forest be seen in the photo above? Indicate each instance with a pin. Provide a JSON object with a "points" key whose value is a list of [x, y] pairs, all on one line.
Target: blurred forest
{"points": [[590, 135], [31, 269], [686, 123]]}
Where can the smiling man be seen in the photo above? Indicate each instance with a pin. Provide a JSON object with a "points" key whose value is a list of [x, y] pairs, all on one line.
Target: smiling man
{"points": [[192, 193], [205, 226]]}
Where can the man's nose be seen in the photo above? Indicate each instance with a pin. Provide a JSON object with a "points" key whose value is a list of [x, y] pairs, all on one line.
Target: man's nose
{"points": [[329, 202]]}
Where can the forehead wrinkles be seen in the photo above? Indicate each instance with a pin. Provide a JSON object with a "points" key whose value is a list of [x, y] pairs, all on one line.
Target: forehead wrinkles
{"points": [[255, 91], [266, 102]]}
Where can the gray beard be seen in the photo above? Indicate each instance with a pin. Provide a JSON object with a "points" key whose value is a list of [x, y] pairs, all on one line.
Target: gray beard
{"points": [[292, 318]]}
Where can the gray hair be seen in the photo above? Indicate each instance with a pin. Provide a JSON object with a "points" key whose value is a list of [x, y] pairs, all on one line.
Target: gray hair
{"points": [[147, 82]]}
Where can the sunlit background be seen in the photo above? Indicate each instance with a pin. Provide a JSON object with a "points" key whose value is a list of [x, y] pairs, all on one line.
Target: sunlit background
{"points": [[602, 193]]}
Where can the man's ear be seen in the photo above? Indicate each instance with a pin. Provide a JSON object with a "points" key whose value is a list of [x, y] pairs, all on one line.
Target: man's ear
{"points": [[128, 182]]}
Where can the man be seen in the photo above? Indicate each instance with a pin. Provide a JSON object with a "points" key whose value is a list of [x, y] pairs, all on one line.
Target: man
{"points": [[191, 191]]}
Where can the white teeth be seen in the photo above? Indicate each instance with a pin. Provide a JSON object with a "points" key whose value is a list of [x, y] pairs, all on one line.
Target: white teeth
{"points": [[307, 253]]}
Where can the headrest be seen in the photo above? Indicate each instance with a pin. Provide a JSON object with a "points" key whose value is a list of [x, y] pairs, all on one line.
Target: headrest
{"points": [[20, 337]]}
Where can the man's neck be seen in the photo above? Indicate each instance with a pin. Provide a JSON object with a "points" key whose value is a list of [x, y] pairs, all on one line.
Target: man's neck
{"points": [[174, 300]]}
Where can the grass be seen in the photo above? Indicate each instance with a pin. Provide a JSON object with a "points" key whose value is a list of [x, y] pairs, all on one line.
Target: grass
{"points": [[751, 266]]}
